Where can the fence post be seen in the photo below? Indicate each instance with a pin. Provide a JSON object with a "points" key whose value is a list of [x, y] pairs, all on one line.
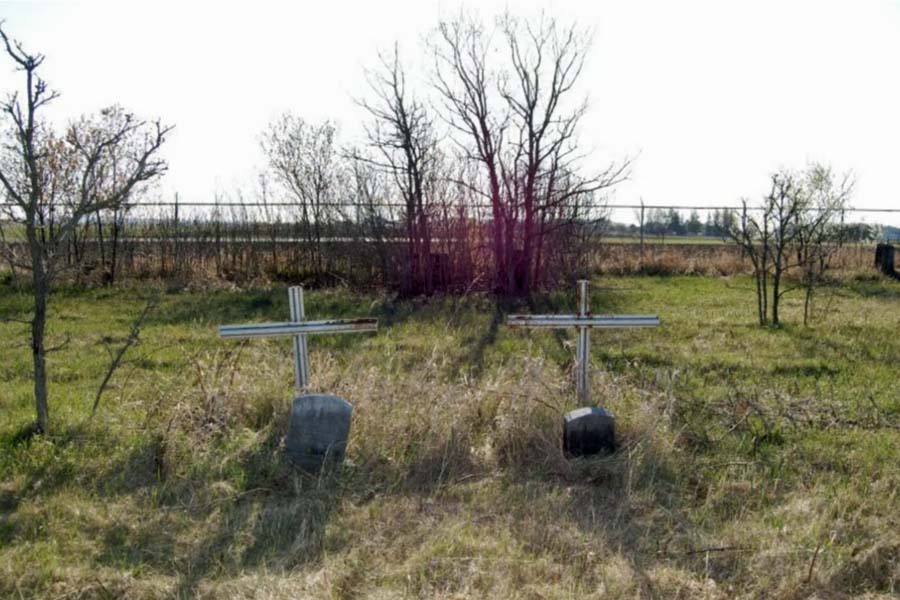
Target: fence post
{"points": [[642, 232], [743, 228], [176, 259]]}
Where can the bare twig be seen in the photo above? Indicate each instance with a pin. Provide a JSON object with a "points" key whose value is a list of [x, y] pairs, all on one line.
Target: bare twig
{"points": [[812, 563], [15, 320], [707, 550], [116, 358], [59, 346]]}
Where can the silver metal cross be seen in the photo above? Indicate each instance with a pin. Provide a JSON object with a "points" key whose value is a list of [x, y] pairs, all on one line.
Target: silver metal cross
{"points": [[584, 322], [299, 328]]}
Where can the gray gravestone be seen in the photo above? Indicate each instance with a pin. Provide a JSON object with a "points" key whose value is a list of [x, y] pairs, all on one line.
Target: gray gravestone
{"points": [[320, 424], [319, 430], [589, 430]]}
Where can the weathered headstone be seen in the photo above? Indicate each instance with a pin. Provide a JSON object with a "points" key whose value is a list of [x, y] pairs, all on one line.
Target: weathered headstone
{"points": [[587, 430], [319, 430], [320, 423]]}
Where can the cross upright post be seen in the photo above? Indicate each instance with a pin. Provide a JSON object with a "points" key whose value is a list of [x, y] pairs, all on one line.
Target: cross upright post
{"points": [[301, 353], [583, 347], [584, 321]]}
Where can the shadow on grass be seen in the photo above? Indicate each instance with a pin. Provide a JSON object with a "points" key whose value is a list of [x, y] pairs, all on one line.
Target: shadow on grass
{"points": [[279, 520], [197, 528], [219, 308], [876, 287], [603, 300], [193, 522], [200, 527], [636, 502], [475, 357]]}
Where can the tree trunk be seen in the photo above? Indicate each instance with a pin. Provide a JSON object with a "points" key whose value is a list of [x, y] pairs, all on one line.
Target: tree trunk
{"points": [[318, 248], [760, 304], [537, 279], [41, 291], [426, 251], [101, 246], [527, 246], [807, 303], [409, 285], [498, 223], [776, 294], [117, 226], [764, 274], [509, 266]]}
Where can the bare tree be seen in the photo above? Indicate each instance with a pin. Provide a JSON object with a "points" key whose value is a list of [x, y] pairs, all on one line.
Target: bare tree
{"points": [[784, 205], [374, 214], [304, 158], [468, 88], [752, 235], [766, 239], [821, 228], [403, 136], [520, 121], [57, 183], [793, 230], [110, 176]]}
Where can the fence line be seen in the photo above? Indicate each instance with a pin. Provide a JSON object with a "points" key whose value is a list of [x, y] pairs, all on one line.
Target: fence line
{"points": [[482, 205], [362, 245]]}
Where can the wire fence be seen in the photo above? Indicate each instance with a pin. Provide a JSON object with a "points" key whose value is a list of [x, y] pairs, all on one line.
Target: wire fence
{"points": [[367, 243], [474, 205]]}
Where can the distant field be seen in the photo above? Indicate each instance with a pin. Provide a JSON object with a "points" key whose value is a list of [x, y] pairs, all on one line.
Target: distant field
{"points": [[668, 239], [756, 463], [15, 232]]}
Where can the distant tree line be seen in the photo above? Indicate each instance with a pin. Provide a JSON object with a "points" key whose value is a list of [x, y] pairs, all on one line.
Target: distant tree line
{"points": [[671, 222], [717, 223]]}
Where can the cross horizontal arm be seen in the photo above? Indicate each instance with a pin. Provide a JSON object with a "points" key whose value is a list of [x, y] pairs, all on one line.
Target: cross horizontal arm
{"points": [[591, 322], [304, 327]]}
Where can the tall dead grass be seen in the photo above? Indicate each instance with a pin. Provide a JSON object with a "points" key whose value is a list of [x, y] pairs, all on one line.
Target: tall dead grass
{"points": [[714, 259], [455, 486]]}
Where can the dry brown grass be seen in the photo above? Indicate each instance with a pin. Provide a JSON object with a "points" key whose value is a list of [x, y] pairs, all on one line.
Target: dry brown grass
{"points": [[464, 492], [734, 479], [711, 259]]}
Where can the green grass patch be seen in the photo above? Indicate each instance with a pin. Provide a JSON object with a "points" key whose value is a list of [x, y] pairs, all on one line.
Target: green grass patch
{"points": [[755, 462]]}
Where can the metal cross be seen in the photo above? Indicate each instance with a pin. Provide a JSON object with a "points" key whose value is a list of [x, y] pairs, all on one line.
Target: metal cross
{"points": [[584, 322], [299, 328]]}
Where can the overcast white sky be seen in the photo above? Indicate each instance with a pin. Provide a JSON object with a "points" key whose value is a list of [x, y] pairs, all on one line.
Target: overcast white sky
{"points": [[710, 96]]}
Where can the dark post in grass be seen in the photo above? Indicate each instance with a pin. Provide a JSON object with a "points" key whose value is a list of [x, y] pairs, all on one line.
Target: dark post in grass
{"points": [[884, 260], [320, 423], [590, 429]]}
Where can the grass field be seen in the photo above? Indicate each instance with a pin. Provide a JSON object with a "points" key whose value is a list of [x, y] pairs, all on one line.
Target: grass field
{"points": [[665, 239], [755, 463]]}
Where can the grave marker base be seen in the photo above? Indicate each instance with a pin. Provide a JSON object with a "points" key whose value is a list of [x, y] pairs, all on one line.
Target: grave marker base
{"points": [[589, 430], [319, 430]]}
